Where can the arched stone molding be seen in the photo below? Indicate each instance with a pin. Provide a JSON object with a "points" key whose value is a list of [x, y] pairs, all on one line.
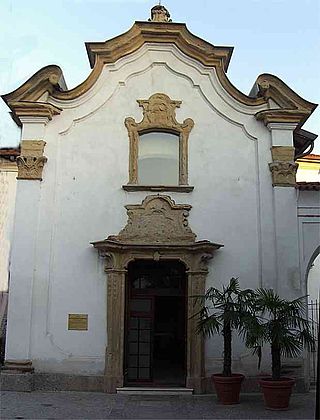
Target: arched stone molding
{"points": [[157, 229]]}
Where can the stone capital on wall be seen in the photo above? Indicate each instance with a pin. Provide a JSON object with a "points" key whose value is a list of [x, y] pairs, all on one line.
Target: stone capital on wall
{"points": [[31, 161], [283, 168]]}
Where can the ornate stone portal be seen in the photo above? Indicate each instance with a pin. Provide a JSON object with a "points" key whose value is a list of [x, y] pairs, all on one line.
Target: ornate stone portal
{"points": [[156, 230]]}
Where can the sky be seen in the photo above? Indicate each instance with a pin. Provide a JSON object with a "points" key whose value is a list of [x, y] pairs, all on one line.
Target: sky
{"points": [[281, 37]]}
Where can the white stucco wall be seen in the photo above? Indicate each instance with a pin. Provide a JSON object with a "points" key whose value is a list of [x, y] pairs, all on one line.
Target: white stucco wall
{"points": [[80, 200], [8, 173], [308, 172], [314, 280]]}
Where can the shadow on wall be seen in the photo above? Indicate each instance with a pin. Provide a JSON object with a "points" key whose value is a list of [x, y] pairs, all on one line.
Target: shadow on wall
{"points": [[314, 280], [3, 323]]}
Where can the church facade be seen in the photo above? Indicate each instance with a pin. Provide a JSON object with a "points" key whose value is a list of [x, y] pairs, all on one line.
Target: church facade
{"points": [[143, 186]]}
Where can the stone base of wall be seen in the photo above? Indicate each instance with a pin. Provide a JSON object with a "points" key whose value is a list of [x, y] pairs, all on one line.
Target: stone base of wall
{"points": [[27, 382], [50, 382]]}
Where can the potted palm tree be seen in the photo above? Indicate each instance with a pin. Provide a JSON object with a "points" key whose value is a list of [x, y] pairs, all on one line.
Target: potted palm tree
{"points": [[284, 325], [222, 312]]}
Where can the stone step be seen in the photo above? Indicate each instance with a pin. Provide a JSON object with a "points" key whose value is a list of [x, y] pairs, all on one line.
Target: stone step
{"points": [[154, 391]]}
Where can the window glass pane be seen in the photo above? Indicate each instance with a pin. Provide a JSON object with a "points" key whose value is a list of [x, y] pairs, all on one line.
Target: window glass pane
{"points": [[158, 159]]}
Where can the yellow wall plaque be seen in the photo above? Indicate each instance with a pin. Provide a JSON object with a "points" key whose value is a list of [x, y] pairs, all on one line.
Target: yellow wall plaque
{"points": [[78, 322]]}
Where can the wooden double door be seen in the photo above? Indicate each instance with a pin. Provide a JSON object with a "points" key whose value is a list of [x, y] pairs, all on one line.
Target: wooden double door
{"points": [[155, 338]]}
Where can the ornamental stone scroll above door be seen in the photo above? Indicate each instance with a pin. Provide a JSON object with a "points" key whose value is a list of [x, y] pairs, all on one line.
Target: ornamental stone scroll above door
{"points": [[157, 229]]}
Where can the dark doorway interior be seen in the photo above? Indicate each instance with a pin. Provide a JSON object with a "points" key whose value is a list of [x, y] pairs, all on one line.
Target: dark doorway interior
{"points": [[156, 324]]}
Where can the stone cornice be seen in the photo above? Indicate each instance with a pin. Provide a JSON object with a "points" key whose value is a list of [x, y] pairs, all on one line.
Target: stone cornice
{"points": [[22, 109], [172, 33], [293, 108], [291, 116], [271, 87], [49, 80]]}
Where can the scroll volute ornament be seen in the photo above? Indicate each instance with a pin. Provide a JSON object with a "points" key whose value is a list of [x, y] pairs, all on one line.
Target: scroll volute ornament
{"points": [[159, 114]]}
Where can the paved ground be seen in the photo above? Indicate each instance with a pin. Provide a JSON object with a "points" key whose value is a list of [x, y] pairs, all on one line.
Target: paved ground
{"points": [[85, 405]]}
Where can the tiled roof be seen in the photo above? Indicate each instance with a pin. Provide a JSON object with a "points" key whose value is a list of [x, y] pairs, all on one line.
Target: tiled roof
{"points": [[308, 186], [9, 153]]}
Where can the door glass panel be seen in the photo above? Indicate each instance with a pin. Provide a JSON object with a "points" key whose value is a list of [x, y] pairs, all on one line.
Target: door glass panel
{"points": [[139, 339], [133, 348], [133, 360], [132, 373], [133, 322], [144, 361], [144, 348], [145, 335], [145, 323], [144, 373], [140, 305], [133, 335]]}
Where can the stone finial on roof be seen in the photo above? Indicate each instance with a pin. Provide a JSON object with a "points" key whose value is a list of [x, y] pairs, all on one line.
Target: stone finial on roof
{"points": [[159, 14]]}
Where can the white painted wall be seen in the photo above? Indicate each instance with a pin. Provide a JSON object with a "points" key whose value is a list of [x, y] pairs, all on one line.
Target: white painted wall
{"points": [[314, 280], [8, 173], [81, 200], [308, 172]]}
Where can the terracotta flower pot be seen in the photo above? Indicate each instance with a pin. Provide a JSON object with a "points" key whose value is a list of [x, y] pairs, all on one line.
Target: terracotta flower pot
{"points": [[228, 387], [277, 393]]}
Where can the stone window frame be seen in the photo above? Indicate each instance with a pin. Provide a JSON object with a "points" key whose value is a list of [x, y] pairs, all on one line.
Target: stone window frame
{"points": [[159, 115]]}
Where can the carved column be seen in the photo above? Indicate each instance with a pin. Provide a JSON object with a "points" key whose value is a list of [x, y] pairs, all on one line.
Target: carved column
{"points": [[115, 329], [195, 341]]}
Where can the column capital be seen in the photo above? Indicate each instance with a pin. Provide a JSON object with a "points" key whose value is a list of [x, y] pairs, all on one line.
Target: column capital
{"points": [[31, 161]]}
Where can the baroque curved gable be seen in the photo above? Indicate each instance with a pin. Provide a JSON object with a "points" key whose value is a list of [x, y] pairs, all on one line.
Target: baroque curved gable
{"points": [[50, 81]]}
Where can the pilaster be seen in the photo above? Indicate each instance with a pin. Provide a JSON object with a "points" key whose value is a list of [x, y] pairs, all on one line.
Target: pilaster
{"points": [[24, 244], [115, 329], [283, 170], [195, 342]]}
